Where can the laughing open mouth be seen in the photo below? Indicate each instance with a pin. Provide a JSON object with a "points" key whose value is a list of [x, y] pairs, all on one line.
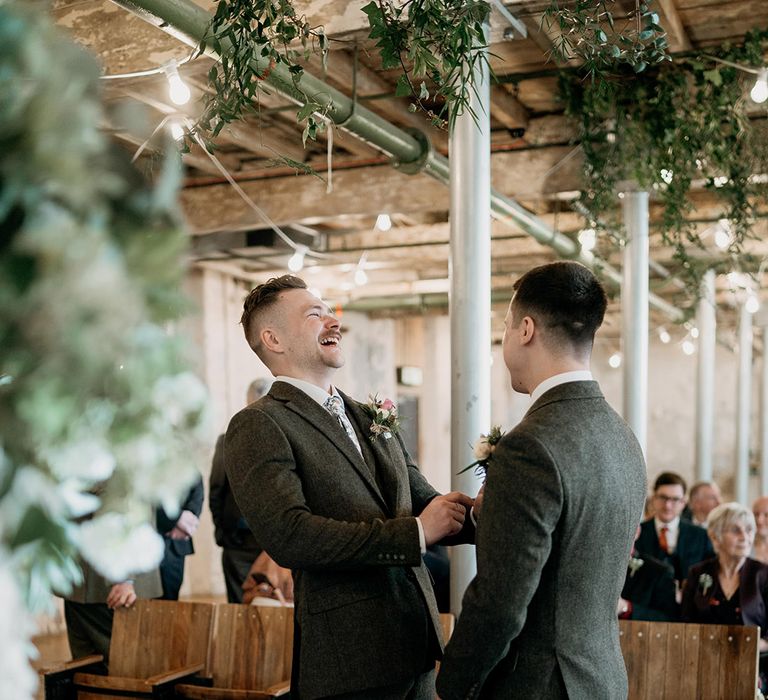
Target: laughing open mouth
{"points": [[332, 341]]}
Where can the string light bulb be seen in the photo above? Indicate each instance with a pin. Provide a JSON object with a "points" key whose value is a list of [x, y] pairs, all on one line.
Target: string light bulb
{"points": [[588, 239], [752, 304], [383, 222], [694, 332], [723, 235], [664, 336], [177, 130], [296, 261], [177, 88], [615, 360], [361, 277], [759, 92], [688, 347]]}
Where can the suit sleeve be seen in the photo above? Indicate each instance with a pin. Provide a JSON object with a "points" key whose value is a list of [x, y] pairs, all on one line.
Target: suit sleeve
{"points": [[522, 505], [217, 484], [194, 500], [269, 493]]}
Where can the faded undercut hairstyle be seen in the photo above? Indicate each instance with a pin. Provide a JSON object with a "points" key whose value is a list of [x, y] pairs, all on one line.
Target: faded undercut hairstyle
{"points": [[565, 298], [259, 300]]}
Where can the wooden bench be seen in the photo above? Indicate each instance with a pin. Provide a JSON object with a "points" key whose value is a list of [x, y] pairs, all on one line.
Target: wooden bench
{"points": [[250, 655], [154, 644], [685, 661]]}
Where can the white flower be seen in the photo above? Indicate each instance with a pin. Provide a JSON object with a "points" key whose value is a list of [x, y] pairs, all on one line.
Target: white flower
{"points": [[179, 396], [17, 679], [483, 449], [90, 460], [118, 547]]}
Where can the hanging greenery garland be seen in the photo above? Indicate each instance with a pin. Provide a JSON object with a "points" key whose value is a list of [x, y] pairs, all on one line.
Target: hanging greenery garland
{"points": [[666, 130], [95, 392]]}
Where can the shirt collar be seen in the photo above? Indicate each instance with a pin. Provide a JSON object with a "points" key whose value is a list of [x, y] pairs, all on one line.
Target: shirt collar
{"points": [[672, 525], [314, 392], [580, 375]]}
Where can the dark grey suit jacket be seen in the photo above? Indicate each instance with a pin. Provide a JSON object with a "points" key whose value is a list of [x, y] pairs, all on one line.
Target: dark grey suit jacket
{"points": [[563, 497], [365, 611]]}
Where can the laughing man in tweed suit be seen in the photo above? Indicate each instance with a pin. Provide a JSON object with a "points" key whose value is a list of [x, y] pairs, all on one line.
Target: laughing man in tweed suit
{"points": [[562, 501], [339, 509]]}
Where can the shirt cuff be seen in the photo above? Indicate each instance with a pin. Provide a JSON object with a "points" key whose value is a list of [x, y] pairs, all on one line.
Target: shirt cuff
{"points": [[422, 538], [472, 516]]}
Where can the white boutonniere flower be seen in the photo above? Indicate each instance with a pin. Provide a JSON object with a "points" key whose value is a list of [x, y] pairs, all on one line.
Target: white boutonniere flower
{"points": [[385, 420], [634, 564], [705, 581], [483, 449]]}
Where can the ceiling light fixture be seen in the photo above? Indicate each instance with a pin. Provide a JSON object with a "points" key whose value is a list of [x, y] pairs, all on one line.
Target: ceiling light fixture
{"points": [[588, 239], [383, 222], [177, 88], [759, 92], [296, 263]]}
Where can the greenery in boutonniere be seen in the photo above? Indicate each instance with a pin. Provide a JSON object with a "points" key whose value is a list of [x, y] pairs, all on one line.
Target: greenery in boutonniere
{"points": [[666, 129], [634, 564], [484, 448], [384, 417]]}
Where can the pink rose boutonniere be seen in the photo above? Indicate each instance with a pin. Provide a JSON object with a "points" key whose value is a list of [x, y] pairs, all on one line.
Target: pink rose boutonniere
{"points": [[385, 420]]}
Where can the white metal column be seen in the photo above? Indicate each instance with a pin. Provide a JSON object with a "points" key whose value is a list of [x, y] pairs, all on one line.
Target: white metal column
{"points": [[764, 419], [706, 322], [634, 314], [743, 405], [470, 303]]}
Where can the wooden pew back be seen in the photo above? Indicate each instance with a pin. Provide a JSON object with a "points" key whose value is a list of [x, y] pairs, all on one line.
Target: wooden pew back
{"points": [[252, 646], [155, 636], [682, 661]]}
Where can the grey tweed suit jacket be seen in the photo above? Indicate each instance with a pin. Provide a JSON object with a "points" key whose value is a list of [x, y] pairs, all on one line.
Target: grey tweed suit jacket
{"points": [[563, 498], [365, 610]]}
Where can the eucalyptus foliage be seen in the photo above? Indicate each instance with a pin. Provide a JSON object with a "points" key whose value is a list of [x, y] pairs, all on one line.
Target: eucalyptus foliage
{"points": [[589, 31], [667, 128], [437, 44], [100, 417], [252, 36]]}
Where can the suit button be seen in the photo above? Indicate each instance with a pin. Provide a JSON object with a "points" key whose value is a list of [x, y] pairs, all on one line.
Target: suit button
{"points": [[388, 556], [402, 557]]}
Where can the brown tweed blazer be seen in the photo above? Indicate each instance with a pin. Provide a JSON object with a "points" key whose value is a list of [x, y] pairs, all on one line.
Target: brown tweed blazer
{"points": [[365, 610]]}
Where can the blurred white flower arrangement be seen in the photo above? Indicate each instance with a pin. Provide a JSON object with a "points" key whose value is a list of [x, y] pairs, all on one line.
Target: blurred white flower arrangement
{"points": [[100, 416]]}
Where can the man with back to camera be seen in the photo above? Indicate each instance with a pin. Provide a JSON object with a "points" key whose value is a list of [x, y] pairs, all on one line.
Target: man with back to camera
{"points": [[563, 497], [343, 507]]}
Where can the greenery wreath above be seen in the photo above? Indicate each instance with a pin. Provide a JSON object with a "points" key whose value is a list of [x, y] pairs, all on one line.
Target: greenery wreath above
{"points": [[100, 416]]}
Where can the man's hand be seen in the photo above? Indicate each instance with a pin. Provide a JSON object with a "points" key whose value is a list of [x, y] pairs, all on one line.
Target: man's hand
{"points": [[188, 522], [267, 579], [444, 516], [121, 595]]}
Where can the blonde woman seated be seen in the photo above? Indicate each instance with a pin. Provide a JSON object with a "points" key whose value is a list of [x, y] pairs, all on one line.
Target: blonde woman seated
{"points": [[731, 588]]}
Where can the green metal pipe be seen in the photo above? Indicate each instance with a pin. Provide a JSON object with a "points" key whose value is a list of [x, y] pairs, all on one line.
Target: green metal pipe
{"points": [[410, 150]]}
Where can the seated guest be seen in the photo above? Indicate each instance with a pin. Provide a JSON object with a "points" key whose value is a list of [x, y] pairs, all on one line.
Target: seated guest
{"points": [[730, 589], [704, 496], [760, 511], [649, 591], [666, 537]]}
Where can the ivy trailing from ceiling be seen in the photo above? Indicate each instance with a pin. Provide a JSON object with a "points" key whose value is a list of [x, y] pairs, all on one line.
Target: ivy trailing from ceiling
{"points": [[437, 44], [667, 129], [249, 33], [602, 42]]}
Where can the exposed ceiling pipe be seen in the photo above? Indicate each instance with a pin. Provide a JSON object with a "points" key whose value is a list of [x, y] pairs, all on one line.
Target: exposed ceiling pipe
{"points": [[410, 150]]}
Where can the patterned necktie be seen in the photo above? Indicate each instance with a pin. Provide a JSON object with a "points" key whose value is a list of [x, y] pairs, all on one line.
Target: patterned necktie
{"points": [[335, 406], [663, 540]]}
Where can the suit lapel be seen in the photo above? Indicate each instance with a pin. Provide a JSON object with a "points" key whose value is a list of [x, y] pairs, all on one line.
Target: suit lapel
{"points": [[321, 420], [387, 476]]}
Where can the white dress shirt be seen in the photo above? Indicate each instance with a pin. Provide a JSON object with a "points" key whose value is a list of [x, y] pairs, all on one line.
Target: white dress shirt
{"points": [[673, 530], [319, 395], [579, 375]]}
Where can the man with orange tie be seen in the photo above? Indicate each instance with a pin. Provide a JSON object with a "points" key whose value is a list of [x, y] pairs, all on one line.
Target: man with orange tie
{"points": [[666, 537]]}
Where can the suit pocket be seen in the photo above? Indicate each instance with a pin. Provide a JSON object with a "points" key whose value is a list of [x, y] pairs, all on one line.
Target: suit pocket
{"points": [[342, 594]]}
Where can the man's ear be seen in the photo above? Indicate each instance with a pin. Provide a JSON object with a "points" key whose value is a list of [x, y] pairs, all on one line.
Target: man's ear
{"points": [[526, 330], [270, 340]]}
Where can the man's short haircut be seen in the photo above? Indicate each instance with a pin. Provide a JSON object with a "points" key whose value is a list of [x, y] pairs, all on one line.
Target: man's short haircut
{"points": [[698, 486], [262, 298], [669, 479], [566, 298]]}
